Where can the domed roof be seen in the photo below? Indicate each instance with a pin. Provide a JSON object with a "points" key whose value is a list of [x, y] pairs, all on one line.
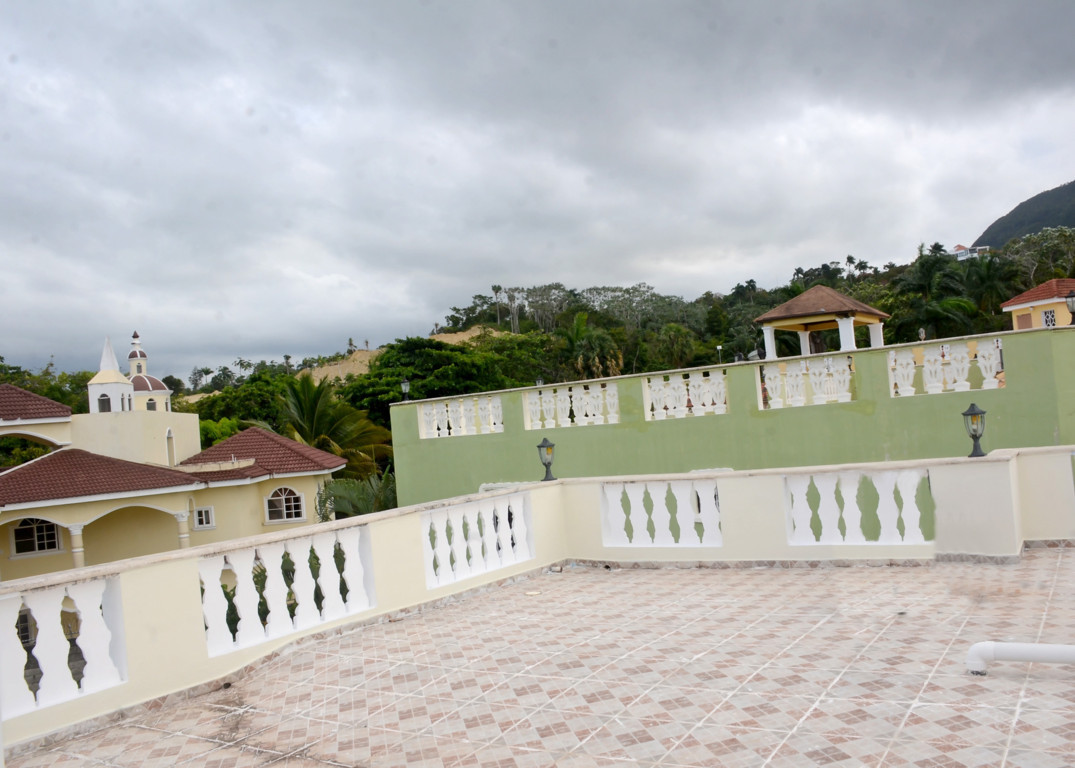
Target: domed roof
{"points": [[136, 353], [144, 383]]}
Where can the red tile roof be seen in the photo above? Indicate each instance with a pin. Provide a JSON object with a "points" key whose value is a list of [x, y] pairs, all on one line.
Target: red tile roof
{"points": [[71, 472], [144, 383], [819, 300], [1050, 289], [18, 404], [271, 453]]}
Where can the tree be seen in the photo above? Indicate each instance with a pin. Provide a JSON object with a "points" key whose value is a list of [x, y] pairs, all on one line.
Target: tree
{"points": [[675, 344], [497, 290], [990, 280], [315, 417], [175, 384], [347, 497]]}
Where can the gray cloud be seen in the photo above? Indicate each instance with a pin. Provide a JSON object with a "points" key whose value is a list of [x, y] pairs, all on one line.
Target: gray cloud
{"points": [[258, 179]]}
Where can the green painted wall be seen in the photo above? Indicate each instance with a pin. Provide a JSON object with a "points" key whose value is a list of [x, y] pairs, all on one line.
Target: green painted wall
{"points": [[1036, 407]]}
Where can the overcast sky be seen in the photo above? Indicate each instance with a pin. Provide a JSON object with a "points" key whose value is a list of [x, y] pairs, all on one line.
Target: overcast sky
{"points": [[261, 178]]}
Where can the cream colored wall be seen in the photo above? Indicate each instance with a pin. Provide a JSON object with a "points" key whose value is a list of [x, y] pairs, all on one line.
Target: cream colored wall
{"points": [[129, 532], [137, 435], [1063, 317], [239, 510], [22, 566], [1046, 493], [51, 432]]}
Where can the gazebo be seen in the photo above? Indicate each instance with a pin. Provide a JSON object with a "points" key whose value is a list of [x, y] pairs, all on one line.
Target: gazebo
{"points": [[821, 308]]}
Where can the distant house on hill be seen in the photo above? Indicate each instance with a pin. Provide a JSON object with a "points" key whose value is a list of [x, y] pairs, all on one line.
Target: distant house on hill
{"points": [[1043, 306], [129, 477]]}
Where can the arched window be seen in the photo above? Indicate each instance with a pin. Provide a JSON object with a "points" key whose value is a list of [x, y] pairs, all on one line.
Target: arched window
{"points": [[104, 404], [284, 504], [32, 536], [151, 404], [169, 447], [139, 367]]}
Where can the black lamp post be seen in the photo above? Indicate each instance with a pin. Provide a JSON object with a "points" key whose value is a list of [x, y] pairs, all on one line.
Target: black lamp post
{"points": [[406, 387], [974, 421], [1070, 301], [545, 451]]}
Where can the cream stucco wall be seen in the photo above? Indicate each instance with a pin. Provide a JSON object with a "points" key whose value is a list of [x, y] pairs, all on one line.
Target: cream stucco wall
{"points": [[140, 436], [50, 431], [1059, 307]]}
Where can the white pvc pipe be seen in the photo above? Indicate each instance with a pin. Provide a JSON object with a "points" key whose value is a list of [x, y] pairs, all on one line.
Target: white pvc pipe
{"points": [[981, 654]]}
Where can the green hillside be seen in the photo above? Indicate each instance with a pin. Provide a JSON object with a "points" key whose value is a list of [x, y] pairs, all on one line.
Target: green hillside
{"points": [[1055, 208]]}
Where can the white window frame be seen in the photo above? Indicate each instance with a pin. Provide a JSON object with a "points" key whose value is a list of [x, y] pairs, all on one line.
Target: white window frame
{"points": [[1048, 318], [283, 494], [37, 551], [204, 518]]}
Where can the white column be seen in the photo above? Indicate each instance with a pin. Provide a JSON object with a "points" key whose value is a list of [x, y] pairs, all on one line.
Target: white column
{"points": [[182, 520], [847, 333], [804, 342], [877, 335], [78, 549], [769, 333]]}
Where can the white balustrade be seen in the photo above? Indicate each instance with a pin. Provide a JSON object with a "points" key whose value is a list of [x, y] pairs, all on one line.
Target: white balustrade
{"points": [[568, 405], [475, 537], [477, 415], [944, 368], [814, 381], [260, 593], [57, 644], [663, 513], [676, 395], [837, 496]]}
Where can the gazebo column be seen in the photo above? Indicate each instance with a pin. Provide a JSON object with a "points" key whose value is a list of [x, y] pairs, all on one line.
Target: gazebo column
{"points": [[804, 342], [769, 334], [877, 334], [847, 333], [78, 548], [182, 519]]}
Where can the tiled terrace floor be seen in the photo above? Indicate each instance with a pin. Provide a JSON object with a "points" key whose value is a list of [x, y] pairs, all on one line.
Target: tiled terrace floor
{"points": [[836, 666]]}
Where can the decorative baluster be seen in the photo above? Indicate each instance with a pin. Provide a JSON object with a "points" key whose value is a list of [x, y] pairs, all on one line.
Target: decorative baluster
{"points": [[470, 417], [903, 371], [279, 622], [849, 488], [637, 513], [458, 543], [989, 364], [841, 382], [306, 613], [428, 421], [828, 511], [532, 402], [662, 516], [503, 532], [94, 636], [519, 527], [677, 386], [958, 367], [907, 482], [430, 534], [709, 512], [52, 647], [686, 516], [583, 407], [215, 606], [932, 370], [15, 696], [612, 403], [496, 414], [487, 510], [613, 516], [658, 396], [701, 393], [817, 375], [799, 511], [796, 384], [250, 631], [563, 407], [328, 578], [441, 412], [353, 572], [888, 512], [548, 408], [720, 391], [485, 415], [443, 550], [774, 385], [455, 417]]}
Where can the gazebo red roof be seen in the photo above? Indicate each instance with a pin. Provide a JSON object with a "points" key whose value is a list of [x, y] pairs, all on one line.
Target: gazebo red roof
{"points": [[819, 300]]}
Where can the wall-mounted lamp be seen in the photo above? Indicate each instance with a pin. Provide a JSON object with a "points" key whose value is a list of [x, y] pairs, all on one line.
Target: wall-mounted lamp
{"points": [[545, 452], [406, 387], [720, 358], [1070, 301], [974, 421]]}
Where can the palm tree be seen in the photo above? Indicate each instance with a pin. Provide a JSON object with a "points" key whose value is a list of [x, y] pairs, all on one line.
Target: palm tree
{"points": [[991, 278], [590, 351], [316, 418]]}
